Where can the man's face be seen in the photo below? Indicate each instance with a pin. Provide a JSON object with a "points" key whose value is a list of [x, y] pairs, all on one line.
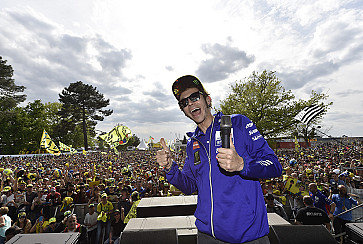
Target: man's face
{"points": [[72, 221], [198, 110], [91, 210], [312, 188], [342, 190]]}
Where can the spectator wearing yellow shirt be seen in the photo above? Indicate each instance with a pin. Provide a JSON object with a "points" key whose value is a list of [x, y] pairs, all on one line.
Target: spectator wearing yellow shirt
{"points": [[104, 210], [40, 225]]}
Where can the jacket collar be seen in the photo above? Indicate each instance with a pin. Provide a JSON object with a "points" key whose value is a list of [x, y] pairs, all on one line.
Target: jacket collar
{"points": [[198, 132]]}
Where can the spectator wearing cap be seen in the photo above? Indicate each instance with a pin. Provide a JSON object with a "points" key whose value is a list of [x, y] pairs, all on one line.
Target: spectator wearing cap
{"points": [[52, 226], [73, 226], [38, 203], [112, 195], [124, 201], [273, 206], [52, 199], [69, 192], [310, 215], [8, 200], [21, 187], [5, 223], [23, 222], [117, 226], [104, 210], [29, 197], [62, 225], [90, 221], [335, 181]]}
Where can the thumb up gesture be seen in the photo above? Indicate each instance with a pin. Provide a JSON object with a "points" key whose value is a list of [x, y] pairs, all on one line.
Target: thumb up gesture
{"points": [[163, 157]]}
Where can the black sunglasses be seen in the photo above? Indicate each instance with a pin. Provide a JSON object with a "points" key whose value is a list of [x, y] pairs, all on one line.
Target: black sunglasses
{"points": [[193, 97]]}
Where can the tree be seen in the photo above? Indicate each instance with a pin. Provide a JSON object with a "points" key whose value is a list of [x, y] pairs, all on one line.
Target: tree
{"points": [[263, 99], [8, 90], [11, 118], [41, 117], [82, 105]]}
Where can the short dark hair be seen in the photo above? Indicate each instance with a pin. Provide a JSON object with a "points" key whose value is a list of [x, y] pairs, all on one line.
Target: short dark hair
{"points": [[308, 200]]}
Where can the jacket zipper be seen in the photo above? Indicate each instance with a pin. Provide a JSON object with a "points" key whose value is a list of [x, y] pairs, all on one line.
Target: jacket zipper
{"points": [[210, 176]]}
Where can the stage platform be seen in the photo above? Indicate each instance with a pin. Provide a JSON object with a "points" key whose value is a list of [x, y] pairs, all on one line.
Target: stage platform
{"points": [[167, 206], [184, 225]]}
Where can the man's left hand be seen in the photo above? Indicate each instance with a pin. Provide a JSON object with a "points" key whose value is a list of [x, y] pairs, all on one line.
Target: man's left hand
{"points": [[228, 158]]}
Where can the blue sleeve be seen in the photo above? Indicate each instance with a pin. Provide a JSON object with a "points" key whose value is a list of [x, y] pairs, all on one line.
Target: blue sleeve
{"points": [[325, 198], [259, 159], [183, 180]]}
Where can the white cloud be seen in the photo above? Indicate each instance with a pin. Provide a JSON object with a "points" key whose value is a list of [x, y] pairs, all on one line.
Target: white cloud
{"points": [[133, 51]]}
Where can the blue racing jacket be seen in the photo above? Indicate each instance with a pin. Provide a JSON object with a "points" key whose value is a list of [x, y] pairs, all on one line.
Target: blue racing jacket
{"points": [[230, 206]]}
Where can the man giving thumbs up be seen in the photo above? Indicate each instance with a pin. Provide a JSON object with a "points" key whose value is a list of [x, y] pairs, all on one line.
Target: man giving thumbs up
{"points": [[231, 206]]}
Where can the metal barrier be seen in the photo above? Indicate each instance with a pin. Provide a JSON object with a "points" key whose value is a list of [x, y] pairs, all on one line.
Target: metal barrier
{"points": [[82, 209]]}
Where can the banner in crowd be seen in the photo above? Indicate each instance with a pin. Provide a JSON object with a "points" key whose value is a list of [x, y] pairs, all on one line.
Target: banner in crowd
{"points": [[64, 147], [47, 143], [297, 146], [119, 135], [291, 185]]}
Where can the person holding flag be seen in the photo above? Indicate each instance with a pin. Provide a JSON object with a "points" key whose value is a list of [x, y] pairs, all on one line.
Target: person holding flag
{"points": [[220, 174]]}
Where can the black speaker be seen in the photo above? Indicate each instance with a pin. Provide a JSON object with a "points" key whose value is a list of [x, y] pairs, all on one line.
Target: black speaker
{"points": [[300, 234], [157, 236], [355, 232], [45, 238]]}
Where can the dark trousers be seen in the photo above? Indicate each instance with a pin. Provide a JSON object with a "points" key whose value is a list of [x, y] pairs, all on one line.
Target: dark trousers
{"points": [[339, 225], [92, 235], [207, 239]]}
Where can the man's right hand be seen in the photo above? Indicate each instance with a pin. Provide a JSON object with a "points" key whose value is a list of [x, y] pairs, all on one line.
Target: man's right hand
{"points": [[163, 157]]}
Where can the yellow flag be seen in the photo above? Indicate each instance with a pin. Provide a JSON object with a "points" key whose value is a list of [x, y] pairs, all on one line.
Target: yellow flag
{"points": [[84, 152], [119, 135], [66, 148], [47, 143]]}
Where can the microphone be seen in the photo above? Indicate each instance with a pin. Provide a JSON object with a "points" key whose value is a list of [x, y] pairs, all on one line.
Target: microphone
{"points": [[226, 125]]}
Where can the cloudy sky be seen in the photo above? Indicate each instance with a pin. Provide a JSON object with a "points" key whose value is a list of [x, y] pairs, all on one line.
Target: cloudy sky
{"points": [[132, 51]]}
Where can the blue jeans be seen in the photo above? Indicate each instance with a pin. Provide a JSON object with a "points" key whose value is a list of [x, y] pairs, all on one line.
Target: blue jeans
{"points": [[100, 226], [2, 240]]}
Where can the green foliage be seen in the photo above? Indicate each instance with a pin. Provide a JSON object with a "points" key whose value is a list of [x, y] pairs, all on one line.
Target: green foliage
{"points": [[82, 106], [12, 135], [9, 98], [263, 99]]}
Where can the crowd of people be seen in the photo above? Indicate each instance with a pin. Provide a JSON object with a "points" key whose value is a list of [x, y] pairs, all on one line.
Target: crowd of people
{"points": [[39, 192], [318, 184]]}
